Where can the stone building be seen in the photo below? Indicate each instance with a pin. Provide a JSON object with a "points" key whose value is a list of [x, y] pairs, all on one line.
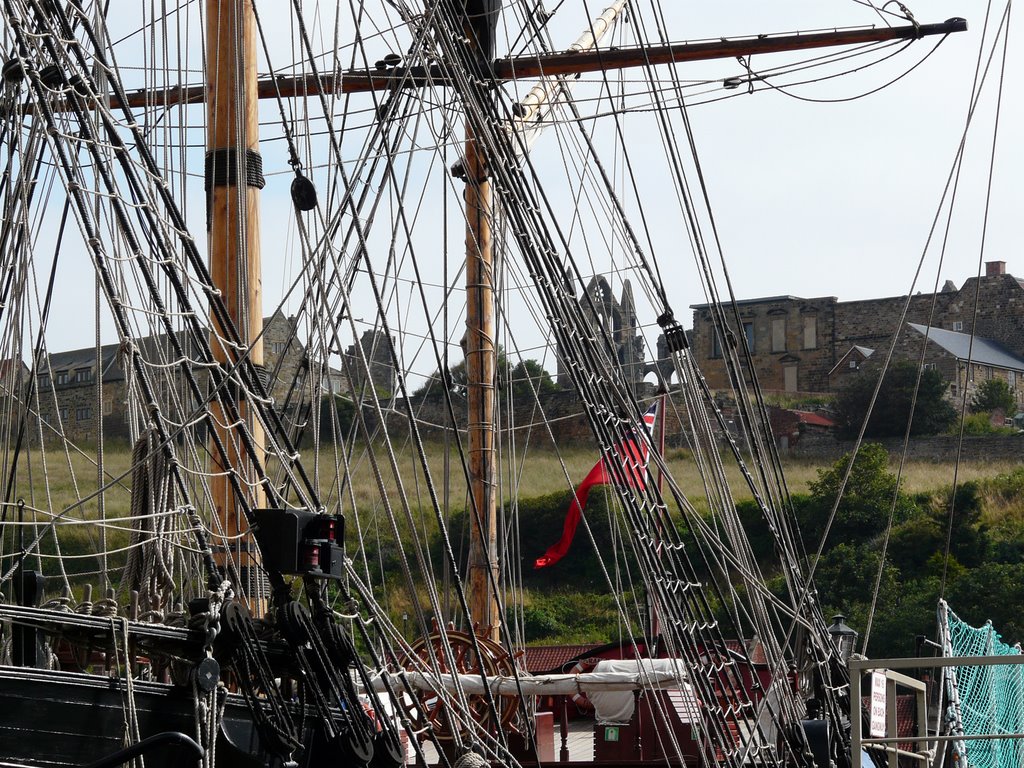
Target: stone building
{"points": [[791, 341], [377, 351], [72, 402], [813, 345], [963, 361], [616, 319]]}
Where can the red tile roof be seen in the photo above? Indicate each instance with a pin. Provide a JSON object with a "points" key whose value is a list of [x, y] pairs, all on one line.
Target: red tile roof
{"points": [[814, 419], [539, 659]]}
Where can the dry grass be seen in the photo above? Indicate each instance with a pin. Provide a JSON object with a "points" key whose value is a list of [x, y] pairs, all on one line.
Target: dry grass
{"points": [[539, 473]]}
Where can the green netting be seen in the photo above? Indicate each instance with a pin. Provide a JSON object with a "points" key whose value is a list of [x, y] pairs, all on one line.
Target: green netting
{"points": [[991, 699]]}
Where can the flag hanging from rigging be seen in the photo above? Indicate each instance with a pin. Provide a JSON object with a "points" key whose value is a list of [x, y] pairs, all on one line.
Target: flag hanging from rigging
{"points": [[632, 453]]}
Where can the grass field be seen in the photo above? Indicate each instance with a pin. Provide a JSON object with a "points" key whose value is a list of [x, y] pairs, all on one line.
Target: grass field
{"points": [[72, 479]]}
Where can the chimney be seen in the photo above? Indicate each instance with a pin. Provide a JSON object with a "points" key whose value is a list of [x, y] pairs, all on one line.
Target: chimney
{"points": [[994, 268]]}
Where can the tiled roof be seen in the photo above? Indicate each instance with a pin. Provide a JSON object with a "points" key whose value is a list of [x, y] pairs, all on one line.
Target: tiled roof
{"points": [[981, 351], [814, 419], [540, 659]]}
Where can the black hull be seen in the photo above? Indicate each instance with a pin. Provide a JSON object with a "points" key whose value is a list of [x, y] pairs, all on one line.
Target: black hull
{"points": [[50, 718]]}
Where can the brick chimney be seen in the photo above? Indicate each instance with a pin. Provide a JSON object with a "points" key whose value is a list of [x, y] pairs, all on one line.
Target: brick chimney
{"points": [[994, 268]]}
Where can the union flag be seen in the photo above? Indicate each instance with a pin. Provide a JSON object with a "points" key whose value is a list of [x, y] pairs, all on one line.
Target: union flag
{"points": [[633, 455]]}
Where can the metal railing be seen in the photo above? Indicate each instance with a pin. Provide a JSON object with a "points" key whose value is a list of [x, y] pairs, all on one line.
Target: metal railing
{"points": [[858, 667]]}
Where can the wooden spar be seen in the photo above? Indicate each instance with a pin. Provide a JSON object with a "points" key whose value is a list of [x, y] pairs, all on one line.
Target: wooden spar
{"points": [[543, 92], [234, 242], [540, 100], [553, 64]]}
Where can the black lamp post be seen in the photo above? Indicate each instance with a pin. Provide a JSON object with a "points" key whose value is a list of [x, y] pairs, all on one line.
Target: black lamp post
{"points": [[844, 637]]}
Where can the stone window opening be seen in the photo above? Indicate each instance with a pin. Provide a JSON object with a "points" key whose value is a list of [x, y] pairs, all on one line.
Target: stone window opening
{"points": [[778, 334], [748, 331], [62, 377], [83, 414], [83, 375], [810, 332], [958, 325], [716, 343]]}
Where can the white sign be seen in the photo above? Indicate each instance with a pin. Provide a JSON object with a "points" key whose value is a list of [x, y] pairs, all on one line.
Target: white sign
{"points": [[878, 690]]}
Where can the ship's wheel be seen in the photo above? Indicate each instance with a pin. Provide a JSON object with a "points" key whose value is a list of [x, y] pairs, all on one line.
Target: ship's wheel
{"points": [[429, 709]]}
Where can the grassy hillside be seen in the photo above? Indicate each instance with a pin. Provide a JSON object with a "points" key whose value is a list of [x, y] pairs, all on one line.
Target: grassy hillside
{"points": [[983, 576]]}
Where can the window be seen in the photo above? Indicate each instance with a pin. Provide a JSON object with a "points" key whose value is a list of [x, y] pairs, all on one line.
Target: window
{"points": [[958, 325], [810, 331], [62, 377], [82, 375], [1011, 379], [716, 344], [853, 365], [789, 376], [952, 390], [83, 414], [748, 331], [108, 406], [778, 334], [278, 347], [64, 414], [44, 381]]}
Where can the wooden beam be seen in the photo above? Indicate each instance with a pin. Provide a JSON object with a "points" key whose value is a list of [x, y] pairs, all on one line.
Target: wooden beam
{"points": [[553, 64]]}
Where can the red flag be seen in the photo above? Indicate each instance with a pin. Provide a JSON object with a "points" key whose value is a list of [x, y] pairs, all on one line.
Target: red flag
{"points": [[633, 455]]}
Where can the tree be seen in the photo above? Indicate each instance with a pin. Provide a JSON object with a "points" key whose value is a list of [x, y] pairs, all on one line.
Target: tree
{"points": [[519, 380], [932, 414], [994, 395], [863, 510]]}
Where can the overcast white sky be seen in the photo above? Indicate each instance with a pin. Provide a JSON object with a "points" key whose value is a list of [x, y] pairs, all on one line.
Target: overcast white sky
{"points": [[811, 199]]}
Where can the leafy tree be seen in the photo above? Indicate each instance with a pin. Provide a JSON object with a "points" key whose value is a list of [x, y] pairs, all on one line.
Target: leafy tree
{"points": [[932, 413], [845, 578], [994, 395], [863, 510], [528, 376], [519, 380]]}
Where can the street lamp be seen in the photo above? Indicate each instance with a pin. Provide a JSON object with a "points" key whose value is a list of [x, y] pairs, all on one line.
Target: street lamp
{"points": [[843, 637]]}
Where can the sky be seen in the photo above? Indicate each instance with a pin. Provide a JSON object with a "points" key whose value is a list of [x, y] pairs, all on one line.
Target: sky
{"points": [[810, 197]]}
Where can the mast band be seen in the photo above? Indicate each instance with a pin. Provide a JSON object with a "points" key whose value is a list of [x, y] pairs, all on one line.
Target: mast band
{"points": [[222, 168]]}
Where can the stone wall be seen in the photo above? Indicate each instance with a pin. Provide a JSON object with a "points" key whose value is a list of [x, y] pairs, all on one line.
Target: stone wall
{"points": [[938, 448]]}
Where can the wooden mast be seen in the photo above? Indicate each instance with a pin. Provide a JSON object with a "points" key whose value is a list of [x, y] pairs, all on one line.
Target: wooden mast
{"points": [[481, 377], [233, 181]]}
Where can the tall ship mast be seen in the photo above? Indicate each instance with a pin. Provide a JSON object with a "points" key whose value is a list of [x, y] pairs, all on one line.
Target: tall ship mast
{"points": [[296, 489]]}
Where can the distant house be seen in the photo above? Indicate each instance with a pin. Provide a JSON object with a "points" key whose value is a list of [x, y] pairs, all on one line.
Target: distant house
{"points": [[849, 364], [791, 342], [965, 361], [815, 345], [790, 427], [75, 395]]}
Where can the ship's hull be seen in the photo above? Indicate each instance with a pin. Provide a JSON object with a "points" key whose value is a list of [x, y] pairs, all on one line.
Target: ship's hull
{"points": [[56, 718]]}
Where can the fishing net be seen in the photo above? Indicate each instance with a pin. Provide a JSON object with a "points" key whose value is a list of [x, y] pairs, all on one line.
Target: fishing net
{"points": [[984, 700]]}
